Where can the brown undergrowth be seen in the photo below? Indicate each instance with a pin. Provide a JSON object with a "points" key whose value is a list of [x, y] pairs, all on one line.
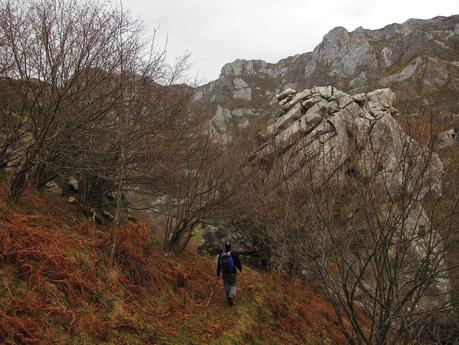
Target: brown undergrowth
{"points": [[56, 288]]}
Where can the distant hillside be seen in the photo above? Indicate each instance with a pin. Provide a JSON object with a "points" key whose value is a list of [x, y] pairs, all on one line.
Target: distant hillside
{"points": [[56, 288], [418, 60]]}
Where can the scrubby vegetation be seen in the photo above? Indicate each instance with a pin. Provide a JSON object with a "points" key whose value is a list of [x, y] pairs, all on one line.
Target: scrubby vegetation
{"points": [[56, 288], [91, 110]]}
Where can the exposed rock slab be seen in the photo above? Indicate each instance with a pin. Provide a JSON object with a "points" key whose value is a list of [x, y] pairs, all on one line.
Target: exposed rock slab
{"points": [[328, 128]]}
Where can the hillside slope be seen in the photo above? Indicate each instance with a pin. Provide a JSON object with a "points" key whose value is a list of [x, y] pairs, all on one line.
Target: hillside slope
{"points": [[56, 288]]}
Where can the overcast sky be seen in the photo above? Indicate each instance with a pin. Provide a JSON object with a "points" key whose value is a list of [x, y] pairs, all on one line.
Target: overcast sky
{"points": [[219, 31]]}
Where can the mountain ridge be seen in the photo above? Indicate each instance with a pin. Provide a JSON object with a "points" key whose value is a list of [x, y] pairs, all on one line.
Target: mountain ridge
{"points": [[418, 59]]}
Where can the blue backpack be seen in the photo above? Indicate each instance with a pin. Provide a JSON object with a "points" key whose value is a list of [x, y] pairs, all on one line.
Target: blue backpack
{"points": [[227, 263]]}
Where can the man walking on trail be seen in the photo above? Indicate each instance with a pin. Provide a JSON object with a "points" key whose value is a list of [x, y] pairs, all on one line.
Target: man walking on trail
{"points": [[228, 261]]}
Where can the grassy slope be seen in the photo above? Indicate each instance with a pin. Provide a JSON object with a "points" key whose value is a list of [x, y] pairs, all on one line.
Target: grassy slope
{"points": [[56, 288]]}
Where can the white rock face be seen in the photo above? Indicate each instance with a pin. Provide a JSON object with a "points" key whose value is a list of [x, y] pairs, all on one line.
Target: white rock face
{"points": [[380, 102], [241, 67], [244, 94], [221, 115], [404, 74], [386, 54], [239, 83], [198, 95], [285, 94], [332, 128], [343, 53]]}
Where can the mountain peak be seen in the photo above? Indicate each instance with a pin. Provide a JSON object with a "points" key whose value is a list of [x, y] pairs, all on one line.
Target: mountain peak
{"points": [[336, 32], [417, 59]]}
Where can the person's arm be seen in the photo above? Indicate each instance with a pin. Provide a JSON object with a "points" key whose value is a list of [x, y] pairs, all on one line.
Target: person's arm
{"points": [[218, 265], [237, 262]]}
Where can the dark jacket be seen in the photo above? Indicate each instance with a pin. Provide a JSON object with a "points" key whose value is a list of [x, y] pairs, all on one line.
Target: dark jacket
{"points": [[237, 262]]}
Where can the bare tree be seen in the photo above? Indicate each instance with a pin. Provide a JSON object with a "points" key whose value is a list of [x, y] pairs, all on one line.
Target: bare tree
{"points": [[94, 98], [61, 56], [374, 241], [200, 191]]}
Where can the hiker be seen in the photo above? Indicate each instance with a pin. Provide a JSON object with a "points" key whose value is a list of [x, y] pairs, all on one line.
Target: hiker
{"points": [[228, 261]]}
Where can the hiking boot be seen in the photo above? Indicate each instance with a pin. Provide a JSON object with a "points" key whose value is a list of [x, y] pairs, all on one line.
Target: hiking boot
{"points": [[230, 301]]}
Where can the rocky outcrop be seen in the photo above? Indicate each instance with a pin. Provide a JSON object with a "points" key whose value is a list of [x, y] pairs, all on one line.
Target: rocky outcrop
{"points": [[448, 138], [329, 129], [54, 187], [327, 139], [73, 184], [324, 132], [240, 233], [418, 60], [214, 239]]}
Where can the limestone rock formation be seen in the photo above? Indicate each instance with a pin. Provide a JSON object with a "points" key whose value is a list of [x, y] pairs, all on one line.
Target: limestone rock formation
{"points": [[328, 129], [239, 234], [448, 138], [324, 132], [215, 237], [418, 60], [54, 187], [73, 184]]}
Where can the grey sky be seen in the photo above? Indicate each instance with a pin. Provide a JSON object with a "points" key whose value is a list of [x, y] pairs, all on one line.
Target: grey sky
{"points": [[219, 31]]}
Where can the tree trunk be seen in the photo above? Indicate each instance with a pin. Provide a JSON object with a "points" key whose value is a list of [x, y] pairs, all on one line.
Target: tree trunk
{"points": [[42, 176], [18, 184]]}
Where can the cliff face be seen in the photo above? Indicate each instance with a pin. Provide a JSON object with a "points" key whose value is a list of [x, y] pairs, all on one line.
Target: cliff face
{"points": [[418, 60], [324, 129]]}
